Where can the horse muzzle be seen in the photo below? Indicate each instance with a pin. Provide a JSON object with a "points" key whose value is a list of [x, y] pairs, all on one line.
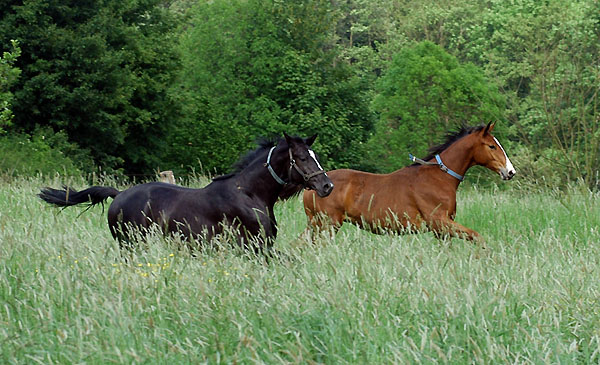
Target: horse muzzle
{"points": [[507, 174], [326, 189], [323, 189]]}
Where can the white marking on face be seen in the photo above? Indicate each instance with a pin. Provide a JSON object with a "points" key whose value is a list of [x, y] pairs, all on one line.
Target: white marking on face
{"points": [[509, 166], [314, 157]]}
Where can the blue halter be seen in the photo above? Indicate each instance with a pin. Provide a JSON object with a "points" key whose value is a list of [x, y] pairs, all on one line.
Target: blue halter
{"points": [[439, 163]]}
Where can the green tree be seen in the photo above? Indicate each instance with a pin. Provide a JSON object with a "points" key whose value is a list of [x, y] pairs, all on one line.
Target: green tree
{"points": [[546, 58], [8, 76], [98, 71], [423, 94], [258, 68]]}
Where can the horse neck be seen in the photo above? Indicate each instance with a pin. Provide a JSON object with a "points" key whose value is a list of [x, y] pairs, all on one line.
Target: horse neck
{"points": [[256, 179], [459, 156]]}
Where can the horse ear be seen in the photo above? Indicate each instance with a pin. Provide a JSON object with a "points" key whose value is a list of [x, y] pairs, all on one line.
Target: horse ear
{"points": [[488, 128], [288, 139], [310, 140]]}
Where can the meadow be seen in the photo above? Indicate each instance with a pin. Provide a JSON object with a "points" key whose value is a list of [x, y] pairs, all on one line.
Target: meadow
{"points": [[68, 295]]}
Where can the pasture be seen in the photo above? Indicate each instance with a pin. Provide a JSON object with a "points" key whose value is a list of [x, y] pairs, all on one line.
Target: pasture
{"points": [[67, 295]]}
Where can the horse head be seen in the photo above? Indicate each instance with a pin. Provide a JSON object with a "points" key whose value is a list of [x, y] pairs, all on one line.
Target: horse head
{"points": [[488, 152], [305, 168]]}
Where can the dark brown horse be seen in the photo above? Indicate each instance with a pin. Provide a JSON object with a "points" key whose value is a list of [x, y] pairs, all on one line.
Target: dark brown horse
{"points": [[242, 200], [415, 198]]}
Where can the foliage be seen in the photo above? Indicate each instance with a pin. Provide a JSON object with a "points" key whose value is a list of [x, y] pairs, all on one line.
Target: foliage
{"points": [[39, 154], [544, 56], [99, 71], [104, 73], [425, 93], [70, 296], [8, 76], [256, 68], [363, 30]]}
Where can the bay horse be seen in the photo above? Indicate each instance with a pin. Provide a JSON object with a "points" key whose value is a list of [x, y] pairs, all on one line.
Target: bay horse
{"points": [[416, 198], [242, 200]]}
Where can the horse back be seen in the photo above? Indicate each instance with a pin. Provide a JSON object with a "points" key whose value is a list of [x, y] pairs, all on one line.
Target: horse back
{"points": [[366, 197], [176, 208], [350, 196], [144, 204]]}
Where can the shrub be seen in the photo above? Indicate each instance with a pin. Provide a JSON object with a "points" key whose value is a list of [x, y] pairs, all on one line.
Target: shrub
{"points": [[424, 94], [24, 155]]}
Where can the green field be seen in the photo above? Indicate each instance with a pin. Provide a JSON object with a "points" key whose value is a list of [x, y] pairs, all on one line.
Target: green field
{"points": [[67, 295]]}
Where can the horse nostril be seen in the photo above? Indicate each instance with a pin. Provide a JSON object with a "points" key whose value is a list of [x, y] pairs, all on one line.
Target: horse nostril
{"points": [[328, 187], [511, 173]]}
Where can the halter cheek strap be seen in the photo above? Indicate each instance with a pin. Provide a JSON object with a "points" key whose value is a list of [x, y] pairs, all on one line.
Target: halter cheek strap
{"points": [[270, 168], [306, 177], [439, 163]]}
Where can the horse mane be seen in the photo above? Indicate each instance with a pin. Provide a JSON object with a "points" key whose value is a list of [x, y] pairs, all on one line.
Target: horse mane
{"points": [[264, 144], [451, 137]]}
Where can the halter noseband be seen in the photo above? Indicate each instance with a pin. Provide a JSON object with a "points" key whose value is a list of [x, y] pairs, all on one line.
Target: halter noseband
{"points": [[293, 164], [439, 163]]}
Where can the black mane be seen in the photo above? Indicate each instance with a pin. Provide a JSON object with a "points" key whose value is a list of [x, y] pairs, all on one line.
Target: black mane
{"points": [[245, 160], [451, 137], [264, 144]]}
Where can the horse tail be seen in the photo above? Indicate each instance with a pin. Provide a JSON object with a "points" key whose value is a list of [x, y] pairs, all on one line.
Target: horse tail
{"points": [[69, 196]]}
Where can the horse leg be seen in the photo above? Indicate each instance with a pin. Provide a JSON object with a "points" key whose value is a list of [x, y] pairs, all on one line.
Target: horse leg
{"points": [[320, 223], [441, 227], [122, 234]]}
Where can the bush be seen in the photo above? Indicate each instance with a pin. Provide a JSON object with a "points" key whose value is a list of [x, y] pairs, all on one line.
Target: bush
{"points": [[8, 76], [424, 94], [24, 155]]}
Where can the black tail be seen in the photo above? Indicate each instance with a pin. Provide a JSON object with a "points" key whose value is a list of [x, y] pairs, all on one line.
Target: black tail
{"points": [[69, 196]]}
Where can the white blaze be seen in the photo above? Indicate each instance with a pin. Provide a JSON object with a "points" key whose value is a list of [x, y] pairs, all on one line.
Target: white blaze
{"points": [[314, 157], [509, 166]]}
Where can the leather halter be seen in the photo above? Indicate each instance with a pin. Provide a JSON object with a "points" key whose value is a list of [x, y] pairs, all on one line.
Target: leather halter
{"points": [[293, 164], [439, 163]]}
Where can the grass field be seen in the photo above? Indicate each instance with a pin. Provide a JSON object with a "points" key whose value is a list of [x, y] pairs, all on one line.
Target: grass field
{"points": [[533, 296]]}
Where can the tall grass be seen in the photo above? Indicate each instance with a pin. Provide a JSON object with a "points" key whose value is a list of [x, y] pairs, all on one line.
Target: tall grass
{"points": [[68, 295]]}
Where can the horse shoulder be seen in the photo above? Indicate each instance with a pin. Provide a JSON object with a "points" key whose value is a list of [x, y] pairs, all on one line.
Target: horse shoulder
{"points": [[235, 203], [392, 196], [362, 194], [350, 185], [435, 199]]}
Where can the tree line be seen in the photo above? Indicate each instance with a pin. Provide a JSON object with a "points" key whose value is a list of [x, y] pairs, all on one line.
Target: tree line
{"points": [[133, 86]]}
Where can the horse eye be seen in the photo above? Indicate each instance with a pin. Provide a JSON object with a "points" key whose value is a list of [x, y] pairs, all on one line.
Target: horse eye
{"points": [[492, 147]]}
